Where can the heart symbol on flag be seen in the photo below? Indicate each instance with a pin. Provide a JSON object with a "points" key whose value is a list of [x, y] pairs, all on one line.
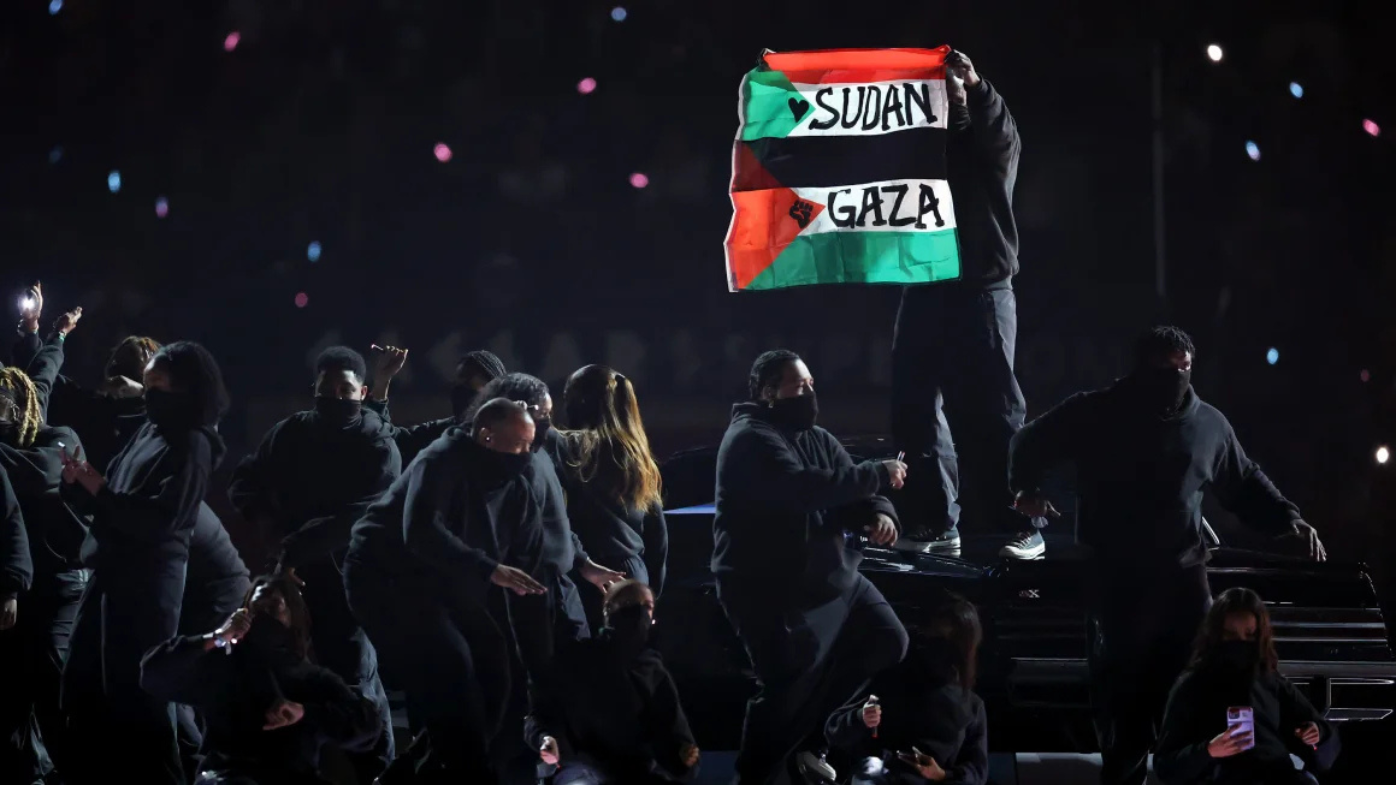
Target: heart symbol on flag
{"points": [[798, 107]]}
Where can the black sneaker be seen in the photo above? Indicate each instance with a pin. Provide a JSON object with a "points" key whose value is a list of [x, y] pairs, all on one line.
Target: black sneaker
{"points": [[926, 541], [1027, 545]]}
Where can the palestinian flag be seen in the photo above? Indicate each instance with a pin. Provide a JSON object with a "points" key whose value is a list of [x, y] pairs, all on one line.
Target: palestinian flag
{"points": [[838, 172]]}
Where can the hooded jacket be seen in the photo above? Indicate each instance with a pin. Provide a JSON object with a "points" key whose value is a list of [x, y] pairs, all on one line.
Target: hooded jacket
{"points": [[16, 567], [56, 530], [217, 580], [1140, 477], [786, 503]]}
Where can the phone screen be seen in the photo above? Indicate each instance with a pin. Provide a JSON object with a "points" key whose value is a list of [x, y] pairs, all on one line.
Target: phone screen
{"points": [[1244, 718]]}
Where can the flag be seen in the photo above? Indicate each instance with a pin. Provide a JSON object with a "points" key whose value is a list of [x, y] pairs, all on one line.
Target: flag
{"points": [[838, 171]]}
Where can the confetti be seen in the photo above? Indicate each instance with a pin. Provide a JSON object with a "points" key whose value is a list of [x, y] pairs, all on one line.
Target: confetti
{"points": [[638, 180], [1253, 150], [162, 207], [114, 181], [231, 42], [1214, 53], [302, 299], [1365, 376], [442, 152], [54, 7], [1371, 128], [313, 252], [1272, 356], [1383, 455], [586, 86], [618, 14], [1296, 89]]}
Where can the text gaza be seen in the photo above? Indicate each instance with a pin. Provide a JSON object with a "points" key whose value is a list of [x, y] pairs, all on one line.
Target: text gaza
{"points": [[847, 216], [875, 105]]}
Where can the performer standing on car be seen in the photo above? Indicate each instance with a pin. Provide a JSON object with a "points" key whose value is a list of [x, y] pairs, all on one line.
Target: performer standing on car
{"points": [[954, 342], [1145, 449], [788, 495]]}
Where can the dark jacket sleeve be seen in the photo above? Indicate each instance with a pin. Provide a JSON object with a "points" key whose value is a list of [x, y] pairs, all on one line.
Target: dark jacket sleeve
{"points": [[339, 715], [669, 726], [1046, 442], [856, 516], [971, 764], [27, 344], [546, 714], [993, 128], [1244, 489], [762, 466], [43, 369], [177, 500], [655, 536], [427, 531], [180, 670], [252, 490], [331, 533], [16, 565], [1296, 712], [1181, 757], [415, 438], [845, 731]]}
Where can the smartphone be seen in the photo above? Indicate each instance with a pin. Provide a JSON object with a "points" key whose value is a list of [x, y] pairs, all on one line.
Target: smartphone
{"points": [[1242, 717]]}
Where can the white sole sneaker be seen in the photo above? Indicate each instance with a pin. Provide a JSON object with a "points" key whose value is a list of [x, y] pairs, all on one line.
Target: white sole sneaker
{"points": [[1016, 552]]}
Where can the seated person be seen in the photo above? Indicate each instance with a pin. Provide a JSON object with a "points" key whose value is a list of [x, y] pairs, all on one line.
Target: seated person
{"points": [[268, 708], [928, 725], [608, 712], [1234, 666]]}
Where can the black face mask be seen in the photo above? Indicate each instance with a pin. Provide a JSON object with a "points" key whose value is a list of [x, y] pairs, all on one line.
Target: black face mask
{"points": [[1240, 656], [462, 395], [1163, 389], [541, 426], [630, 629], [498, 468], [339, 412], [796, 414], [170, 410]]}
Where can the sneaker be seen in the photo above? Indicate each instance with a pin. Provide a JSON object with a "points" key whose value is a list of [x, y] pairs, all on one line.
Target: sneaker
{"points": [[925, 541], [1027, 545], [815, 768]]}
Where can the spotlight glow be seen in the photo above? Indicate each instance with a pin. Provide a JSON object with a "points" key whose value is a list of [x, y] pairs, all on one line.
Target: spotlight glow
{"points": [[302, 299], [1296, 89], [618, 14], [114, 181], [586, 86], [442, 153], [1371, 128], [162, 207], [1383, 455], [231, 42], [313, 252], [1272, 356], [1253, 150], [54, 7], [639, 180], [1214, 53]]}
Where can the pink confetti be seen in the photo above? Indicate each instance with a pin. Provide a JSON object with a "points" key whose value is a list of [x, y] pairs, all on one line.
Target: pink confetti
{"points": [[231, 42], [586, 86], [1366, 375], [442, 152], [1371, 128], [638, 180], [302, 299]]}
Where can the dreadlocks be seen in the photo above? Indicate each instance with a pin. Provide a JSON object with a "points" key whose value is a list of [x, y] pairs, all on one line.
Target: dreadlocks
{"points": [[1160, 342], [19, 403]]}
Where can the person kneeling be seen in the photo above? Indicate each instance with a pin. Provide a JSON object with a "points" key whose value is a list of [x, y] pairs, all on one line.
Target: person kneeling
{"points": [[608, 711], [269, 709], [1232, 718], [930, 726]]}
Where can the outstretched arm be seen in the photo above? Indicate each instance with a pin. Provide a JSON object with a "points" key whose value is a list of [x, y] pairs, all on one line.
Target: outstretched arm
{"points": [[762, 466]]}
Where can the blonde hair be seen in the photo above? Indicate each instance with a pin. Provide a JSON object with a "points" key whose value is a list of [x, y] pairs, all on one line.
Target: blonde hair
{"points": [[17, 386]]}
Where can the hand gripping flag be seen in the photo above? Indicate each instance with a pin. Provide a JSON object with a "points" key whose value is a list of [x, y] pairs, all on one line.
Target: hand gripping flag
{"points": [[838, 171]]}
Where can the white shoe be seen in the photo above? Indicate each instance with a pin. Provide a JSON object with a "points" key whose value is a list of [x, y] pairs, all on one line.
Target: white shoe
{"points": [[1027, 545], [813, 766]]}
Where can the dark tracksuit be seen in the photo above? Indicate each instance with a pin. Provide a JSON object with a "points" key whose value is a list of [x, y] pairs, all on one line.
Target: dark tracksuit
{"points": [[216, 583], [633, 541], [1197, 713], [307, 483], [928, 711], [418, 576], [815, 629], [1140, 478], [612, 715], [18, 762], [37, 648], [954, 342], [411, 439], [234, 689], [138, 550]]}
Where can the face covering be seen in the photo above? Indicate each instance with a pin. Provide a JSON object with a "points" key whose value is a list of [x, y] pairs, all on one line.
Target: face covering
{"points": [[630, 629], [1163, 389], [796, 414], [339, 412], [498, 468], [1238, 655], [170, 410], [461, 397]]}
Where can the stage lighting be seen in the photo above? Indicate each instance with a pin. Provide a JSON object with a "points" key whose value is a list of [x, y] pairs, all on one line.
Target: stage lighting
{"points": [[1371, 128], [1214, 53], [1296, 89], [638, 180], [313, 252], [302, 299], [231, 42], [442, 152], [586, 86], [1383, 455], [618, 14], [1253, 150], [162, 207], [114, 181], [1272, 356]]}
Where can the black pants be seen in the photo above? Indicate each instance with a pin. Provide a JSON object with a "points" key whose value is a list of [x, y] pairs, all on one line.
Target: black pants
{"points": [[1142, 627], [454, 668], [953, 350], [32, 726], [808, 662]]}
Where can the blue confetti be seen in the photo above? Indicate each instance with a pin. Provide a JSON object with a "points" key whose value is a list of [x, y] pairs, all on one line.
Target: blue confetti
{"points": [[1253, 150], [114, 181], [54, 7], [1296, 89], [55, 155], [618, 14], [313, 252], [1272, 356]]}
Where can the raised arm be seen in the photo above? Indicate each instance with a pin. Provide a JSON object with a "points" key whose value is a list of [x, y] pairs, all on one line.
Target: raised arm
{"points": [[758, 465], [181, 670], [44, 367], [993, 129]]}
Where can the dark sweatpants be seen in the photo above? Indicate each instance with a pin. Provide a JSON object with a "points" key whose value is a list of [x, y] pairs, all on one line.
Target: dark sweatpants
{"points": [[808, 663], [32, 653], [453, 667], [1142, 628], [953, 348]]}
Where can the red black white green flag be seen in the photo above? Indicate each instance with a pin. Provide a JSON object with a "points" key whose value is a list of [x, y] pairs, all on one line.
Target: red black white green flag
{"points": [[838, 171]]}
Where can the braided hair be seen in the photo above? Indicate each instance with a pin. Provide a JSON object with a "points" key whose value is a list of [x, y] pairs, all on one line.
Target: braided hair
{"points": [[768, 370], [19, 402]]}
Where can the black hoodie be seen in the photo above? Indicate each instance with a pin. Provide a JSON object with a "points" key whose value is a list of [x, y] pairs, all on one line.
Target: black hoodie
{"points": [[411, 439], [217, 580], [1140, 476], [785, 502], [16, 568]]}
